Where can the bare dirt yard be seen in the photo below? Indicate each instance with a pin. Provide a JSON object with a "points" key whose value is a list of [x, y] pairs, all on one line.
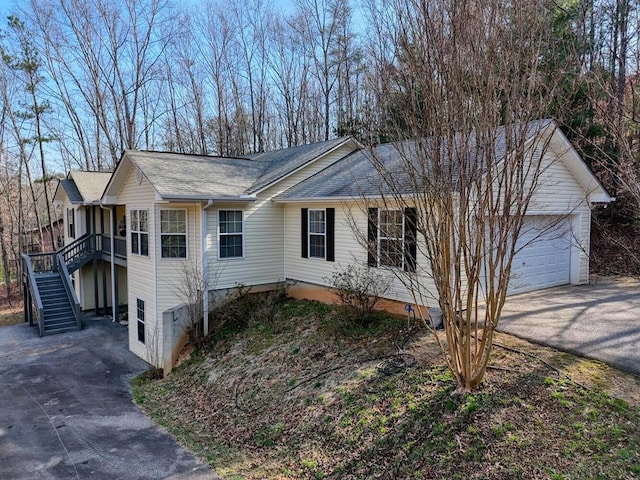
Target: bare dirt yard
{"points": [[300, 392]]}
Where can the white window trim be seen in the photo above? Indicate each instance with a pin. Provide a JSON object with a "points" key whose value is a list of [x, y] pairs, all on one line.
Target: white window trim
{"points": [[309, 233], [186, 234], [380, 238], [244, 250], [143, 321], [132, 231]]}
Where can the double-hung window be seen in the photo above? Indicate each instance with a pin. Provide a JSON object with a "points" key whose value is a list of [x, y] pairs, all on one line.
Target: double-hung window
{"points": [[139, 232], [173, 233], [231, 234], [392, 238], [317, 233], [140, 319]]}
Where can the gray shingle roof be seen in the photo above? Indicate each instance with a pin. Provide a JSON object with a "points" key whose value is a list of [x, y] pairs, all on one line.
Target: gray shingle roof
{"points": [[355, 175], [281, 163], [90, 185], [175, 174], [70, 188]]}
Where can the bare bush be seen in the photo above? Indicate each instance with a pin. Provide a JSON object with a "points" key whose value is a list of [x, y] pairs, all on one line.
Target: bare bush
{"points": [[359, 290]]}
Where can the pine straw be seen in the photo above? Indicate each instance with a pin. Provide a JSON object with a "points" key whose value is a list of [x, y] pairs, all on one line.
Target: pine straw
{"points": [[304, 398]]}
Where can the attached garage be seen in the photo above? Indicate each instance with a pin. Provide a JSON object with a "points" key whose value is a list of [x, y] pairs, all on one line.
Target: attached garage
{"points": [[544, 254]]}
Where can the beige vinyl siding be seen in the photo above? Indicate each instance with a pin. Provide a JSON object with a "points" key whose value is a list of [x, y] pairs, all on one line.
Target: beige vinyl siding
{"points": [[348, 250], [140, 270], [263, 246], [263, 261], [170, 271], [559, 193]]}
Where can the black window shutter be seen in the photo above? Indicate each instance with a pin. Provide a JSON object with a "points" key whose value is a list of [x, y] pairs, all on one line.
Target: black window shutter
{"points": [[330, 217], [410, 239], [372, 238], [305, 232]]}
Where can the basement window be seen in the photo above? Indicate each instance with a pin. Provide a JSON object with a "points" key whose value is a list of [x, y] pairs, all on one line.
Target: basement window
{"points": [[140, 319]]}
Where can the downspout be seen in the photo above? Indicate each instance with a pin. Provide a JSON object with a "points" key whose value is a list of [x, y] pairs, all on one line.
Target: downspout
{"points": [[284, 248], [114, 303], [204, 227]]}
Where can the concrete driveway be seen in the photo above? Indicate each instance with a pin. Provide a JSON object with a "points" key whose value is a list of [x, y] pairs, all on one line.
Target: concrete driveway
{"points": [[66, 410], [600, 321]]}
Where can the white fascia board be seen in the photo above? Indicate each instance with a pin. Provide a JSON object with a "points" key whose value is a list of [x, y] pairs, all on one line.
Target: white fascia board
{"points": [[204, 198], [325, 199]]}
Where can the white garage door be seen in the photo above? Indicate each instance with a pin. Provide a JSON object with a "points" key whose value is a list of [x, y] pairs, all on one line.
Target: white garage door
{"points": [[545, 256]]}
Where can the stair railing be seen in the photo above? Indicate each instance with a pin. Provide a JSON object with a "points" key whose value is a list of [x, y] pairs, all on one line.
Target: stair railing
{"points": [[71, 293], [83, 246], [27, 271]]}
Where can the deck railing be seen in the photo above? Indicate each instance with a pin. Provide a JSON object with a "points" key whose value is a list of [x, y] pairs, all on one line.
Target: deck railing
{"points": [[76, 251], [41, 262], [32, 297], [71, 293], [119, 245]]}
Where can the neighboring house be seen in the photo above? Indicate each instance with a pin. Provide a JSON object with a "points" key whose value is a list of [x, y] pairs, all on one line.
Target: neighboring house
{"points": [[286, 216], [39, 239]]}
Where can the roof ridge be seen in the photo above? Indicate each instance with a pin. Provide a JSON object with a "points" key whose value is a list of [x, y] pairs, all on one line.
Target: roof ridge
{"points": [[201, 155]]}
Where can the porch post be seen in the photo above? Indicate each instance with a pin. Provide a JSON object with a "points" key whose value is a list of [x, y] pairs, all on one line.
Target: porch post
{"points": [[30, 307], [96, 298], [115, 294], [104, 267], [25, 299]]}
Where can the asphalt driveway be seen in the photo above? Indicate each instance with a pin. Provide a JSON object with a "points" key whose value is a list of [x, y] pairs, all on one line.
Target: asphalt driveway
{"points": [[600, 321], [66, 410]]}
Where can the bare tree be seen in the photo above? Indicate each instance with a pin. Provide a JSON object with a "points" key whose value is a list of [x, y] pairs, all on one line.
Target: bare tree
{"points": [[462, 70]]}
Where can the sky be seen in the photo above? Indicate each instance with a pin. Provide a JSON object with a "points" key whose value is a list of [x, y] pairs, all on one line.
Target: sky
{"points": [[7, 5]]}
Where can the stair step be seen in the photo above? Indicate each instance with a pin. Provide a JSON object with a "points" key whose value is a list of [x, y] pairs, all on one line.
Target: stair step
{"points": [[54, 302], [51, 288], [56, 289], [60, 330], [48, 279], [58, 313], [52, 293], [48, 324]]}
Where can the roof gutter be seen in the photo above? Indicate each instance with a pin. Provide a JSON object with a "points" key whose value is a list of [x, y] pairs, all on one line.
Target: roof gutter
{"points": [[341, 198], [209, 198]]}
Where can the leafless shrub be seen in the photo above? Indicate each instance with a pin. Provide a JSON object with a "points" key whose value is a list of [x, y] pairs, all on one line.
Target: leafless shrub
{"points": [[359, 290]]}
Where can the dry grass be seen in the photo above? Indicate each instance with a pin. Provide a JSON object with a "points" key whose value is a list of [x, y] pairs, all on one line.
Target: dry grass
{"points": [[306, 396]]}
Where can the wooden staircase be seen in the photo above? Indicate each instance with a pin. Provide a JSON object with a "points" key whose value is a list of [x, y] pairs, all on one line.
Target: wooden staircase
{"points": [[49, 297], [58, 311]]}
